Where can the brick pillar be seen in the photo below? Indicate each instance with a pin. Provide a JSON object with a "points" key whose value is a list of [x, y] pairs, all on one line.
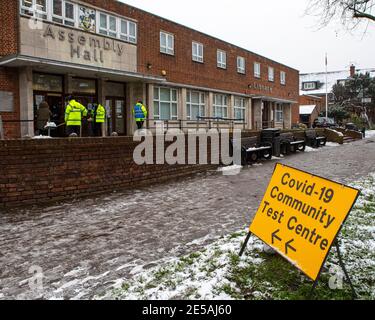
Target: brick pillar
{"points": [[231, 107], [182, 105], [210, 105], [26, 101], [248, 113], [287, 112], [257, 108]]}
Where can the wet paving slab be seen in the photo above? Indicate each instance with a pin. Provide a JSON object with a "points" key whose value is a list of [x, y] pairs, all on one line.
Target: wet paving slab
{"points": [[79, 249]]}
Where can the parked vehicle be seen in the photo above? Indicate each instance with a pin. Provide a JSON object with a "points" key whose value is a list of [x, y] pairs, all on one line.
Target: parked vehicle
{"points": [[322, 122], [351, 126]]}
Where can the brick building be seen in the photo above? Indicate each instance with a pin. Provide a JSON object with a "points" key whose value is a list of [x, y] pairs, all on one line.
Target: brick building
{"points": [[310, 107], [112, 53]]}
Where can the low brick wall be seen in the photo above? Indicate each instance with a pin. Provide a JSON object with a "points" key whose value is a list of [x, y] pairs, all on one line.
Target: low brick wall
{"points": [[334, 136], [48, 170]]}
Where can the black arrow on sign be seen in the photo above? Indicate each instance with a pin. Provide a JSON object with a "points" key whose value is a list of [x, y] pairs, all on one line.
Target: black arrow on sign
{"points": [[288, 246], [274, 236]]}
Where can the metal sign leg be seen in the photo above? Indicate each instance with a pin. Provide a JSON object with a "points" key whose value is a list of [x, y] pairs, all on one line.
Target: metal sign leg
{"points": [[342, 265], [354, 294], [245, 244]]}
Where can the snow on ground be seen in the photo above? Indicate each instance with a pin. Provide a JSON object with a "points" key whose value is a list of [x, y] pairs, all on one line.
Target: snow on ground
{"points": [[370, 134], [230, 170], [217, 273], [42, 137]]}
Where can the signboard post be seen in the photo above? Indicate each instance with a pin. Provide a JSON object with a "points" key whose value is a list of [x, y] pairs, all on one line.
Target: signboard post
{"points": [[300, 217]]}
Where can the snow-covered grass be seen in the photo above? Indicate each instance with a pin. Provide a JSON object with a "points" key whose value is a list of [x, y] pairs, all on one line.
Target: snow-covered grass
{"points": [[218, 273]]}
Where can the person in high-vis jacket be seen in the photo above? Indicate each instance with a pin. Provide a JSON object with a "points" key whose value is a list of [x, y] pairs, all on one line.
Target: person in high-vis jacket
{"points": [[73, 116], [99, 120], [140, 114]]}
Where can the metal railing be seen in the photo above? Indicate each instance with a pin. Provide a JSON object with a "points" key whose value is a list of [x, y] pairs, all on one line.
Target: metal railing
{"points": [[269, 124], [199, 123]]}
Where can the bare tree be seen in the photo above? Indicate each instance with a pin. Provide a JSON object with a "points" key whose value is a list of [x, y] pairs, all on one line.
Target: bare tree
{"points": [[349, 12]]}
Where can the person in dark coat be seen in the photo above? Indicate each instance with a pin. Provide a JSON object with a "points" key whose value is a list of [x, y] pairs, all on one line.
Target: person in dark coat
{"points": [[43, 115]]}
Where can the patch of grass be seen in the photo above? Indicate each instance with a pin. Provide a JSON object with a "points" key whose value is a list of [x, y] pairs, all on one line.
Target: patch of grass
{"points": [[275, 278], [161, 274]]}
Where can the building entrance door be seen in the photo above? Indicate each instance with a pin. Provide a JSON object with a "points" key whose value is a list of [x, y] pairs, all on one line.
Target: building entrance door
{"points": [[56, 106], [266, 121], [116, 115]]}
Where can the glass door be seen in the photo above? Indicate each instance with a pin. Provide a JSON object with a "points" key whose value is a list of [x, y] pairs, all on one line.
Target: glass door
{"points": [[116, 115], [120, 117]]}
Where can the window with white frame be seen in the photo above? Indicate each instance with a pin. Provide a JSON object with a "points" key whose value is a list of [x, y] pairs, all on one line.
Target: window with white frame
{"points": [[271, 74], [63, 12], [282, 77], [221, 59], [220, 106], [279, 113], [195, 105], [166, 43], [256, 69], [309, 86], [241, 67], [107, 25], [197, 49], [34, 8], [165, 103], [239, 108], [69, 13], [128, 31]]}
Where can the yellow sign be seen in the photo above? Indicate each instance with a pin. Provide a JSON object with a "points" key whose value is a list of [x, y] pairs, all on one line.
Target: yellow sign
{"points": [[301, 215]]}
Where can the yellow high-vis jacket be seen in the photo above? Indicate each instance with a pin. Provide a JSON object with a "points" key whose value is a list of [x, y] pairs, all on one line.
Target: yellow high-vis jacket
{"points": [[100, 114], [74, 112]]}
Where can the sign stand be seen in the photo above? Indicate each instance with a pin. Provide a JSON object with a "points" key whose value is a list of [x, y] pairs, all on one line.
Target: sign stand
{"points": [[342, 265], [341, 262], [245, 244]]}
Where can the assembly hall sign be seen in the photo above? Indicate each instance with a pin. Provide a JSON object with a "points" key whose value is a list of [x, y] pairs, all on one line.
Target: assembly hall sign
{"points": [[301, 215]]}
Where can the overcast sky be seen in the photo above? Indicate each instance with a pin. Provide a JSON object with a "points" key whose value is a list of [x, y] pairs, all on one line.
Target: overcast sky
{"points": [[277, 29]]}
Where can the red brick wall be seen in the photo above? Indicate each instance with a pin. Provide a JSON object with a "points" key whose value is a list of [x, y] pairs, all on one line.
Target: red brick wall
{"points": [[9, 82], [9, 27], [48, 170], [39, 171], [180, 67]]}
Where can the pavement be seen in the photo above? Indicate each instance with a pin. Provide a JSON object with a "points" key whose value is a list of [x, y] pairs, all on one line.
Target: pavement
{"points": [[79, 249]]}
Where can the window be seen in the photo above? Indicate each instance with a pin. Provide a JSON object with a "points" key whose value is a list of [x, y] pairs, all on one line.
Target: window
{"points": [[107, 25], [271, 74], [279, 114], [63, 12], [165, 103], [309, 85], [68, 13], [239, 108], [195, 105], [282, 77], [221, 59], [166, 43], [47, 82], [84, 86], [197, 52], [34, 8], [256, 70], [128, 31], [241, 68], [220, 106]]}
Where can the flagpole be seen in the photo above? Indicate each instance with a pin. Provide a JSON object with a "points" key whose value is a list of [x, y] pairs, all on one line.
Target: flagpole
{"points": [[326, 87]]}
